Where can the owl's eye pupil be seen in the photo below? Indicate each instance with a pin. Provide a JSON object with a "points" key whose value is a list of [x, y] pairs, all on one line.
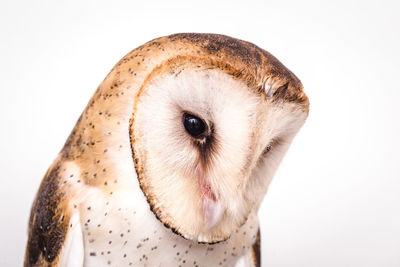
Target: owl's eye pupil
{"points": [[194, 125]]}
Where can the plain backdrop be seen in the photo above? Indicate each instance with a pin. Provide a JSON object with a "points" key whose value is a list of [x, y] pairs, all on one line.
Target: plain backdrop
{"points": [[335, 200]]}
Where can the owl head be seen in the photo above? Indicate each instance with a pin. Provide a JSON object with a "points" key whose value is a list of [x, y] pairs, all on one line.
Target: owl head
{"points": [[212, 118]]}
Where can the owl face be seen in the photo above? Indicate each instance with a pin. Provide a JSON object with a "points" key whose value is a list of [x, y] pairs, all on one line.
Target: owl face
{"points": [[206, 147]]}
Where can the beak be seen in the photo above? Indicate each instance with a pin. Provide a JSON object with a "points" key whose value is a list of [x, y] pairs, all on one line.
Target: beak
{"points": [[213, 208]]}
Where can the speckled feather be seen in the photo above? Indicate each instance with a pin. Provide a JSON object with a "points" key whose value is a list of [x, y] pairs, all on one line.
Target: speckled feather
{"points": [[95, 174]]}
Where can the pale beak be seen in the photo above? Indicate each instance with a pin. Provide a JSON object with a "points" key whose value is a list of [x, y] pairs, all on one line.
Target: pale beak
{"points": [[213, 208]]}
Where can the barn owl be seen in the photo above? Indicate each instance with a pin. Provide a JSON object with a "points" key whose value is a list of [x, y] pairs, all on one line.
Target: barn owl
{"points": [[170, 160]]}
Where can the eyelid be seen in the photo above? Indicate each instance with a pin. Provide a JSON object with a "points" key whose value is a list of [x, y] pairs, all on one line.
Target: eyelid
{"points": [[268, 148]]}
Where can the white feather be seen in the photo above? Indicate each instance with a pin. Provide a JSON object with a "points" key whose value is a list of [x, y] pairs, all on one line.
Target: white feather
{"points": [[72, 254]]}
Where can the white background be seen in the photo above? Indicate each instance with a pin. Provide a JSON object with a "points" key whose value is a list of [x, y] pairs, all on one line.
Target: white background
{"points": [[335, 200]]}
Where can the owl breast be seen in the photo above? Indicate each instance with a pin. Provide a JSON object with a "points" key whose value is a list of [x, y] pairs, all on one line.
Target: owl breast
{"points": [[117, 233]]}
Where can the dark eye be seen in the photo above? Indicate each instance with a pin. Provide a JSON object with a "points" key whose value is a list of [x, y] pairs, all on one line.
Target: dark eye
{"points": [[273, 142], [194, 125]]}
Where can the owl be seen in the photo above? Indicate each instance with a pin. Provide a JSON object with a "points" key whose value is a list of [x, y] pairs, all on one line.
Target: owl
{"points": [[170, 160]]}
